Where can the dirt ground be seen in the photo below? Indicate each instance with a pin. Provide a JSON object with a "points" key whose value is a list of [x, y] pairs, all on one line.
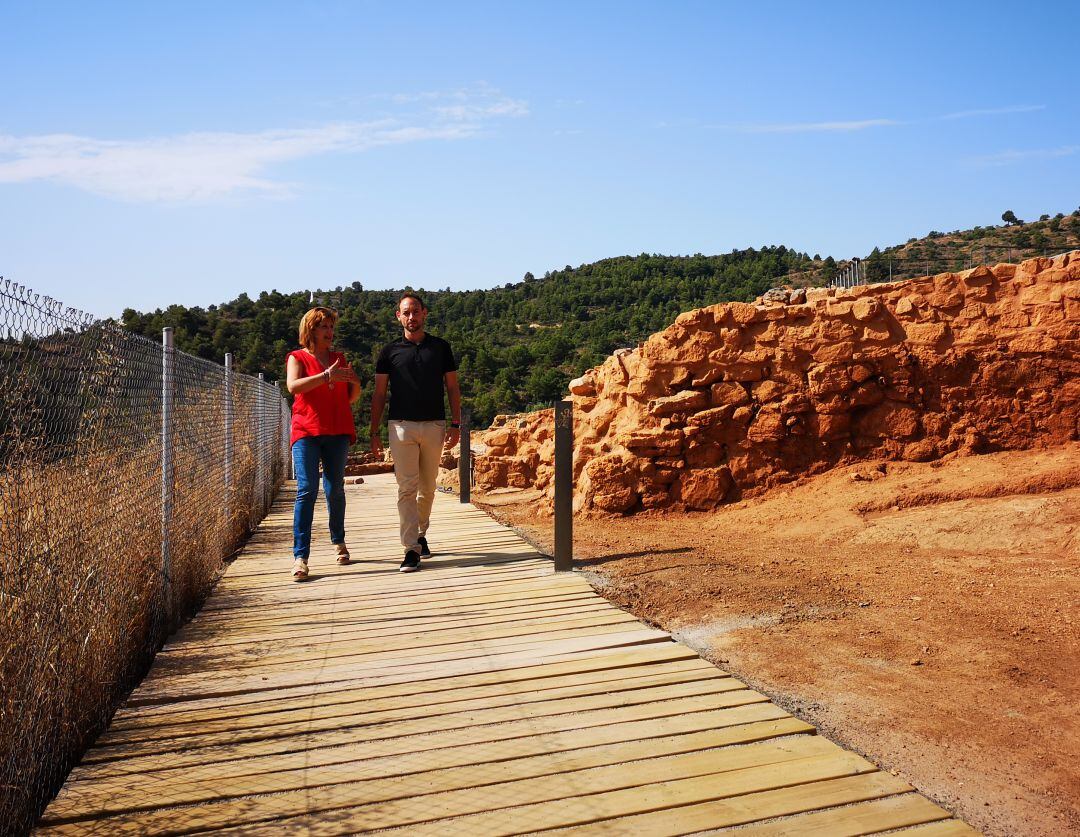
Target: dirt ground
{"points": [[925, 615]]}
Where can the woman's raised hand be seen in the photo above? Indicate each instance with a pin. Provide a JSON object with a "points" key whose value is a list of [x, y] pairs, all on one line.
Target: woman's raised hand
{"points": [[342, 373]]}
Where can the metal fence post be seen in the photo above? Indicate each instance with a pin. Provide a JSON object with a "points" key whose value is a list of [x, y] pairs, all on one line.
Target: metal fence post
{"points": [[273, 444], [564, 486], [228, 435], [168, 361], [465, 458], [260, 471], [286, 434]]}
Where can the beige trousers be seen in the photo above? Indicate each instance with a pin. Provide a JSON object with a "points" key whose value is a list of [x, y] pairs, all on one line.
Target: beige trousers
{"points": [[417, 448]]}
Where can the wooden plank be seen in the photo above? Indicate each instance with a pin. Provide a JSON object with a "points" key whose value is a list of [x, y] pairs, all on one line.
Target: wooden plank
{"points": [[478, 657], [363, 574], [432, 694], [746, 808], [252, 688], [559, 803], [441, 619], [462, 747], [357, 782], [393, 722], [638, 656], [852, 820], [381, 742], [285, 655], [389, 596], [349, 807], [387, 593], [415, 631], [363, 709], [474, 603]]}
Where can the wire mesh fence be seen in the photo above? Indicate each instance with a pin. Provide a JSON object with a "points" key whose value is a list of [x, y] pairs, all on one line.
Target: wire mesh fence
{"points": [[128, 473], [888, 268]]}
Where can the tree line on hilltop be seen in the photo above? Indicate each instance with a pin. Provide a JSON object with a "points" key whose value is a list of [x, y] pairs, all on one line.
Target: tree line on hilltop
{"points": [[939, 252], [519, 345]]}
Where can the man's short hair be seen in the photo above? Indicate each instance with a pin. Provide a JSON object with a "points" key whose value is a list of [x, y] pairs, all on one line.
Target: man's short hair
{"points": [[410, 295], [312, 320]]}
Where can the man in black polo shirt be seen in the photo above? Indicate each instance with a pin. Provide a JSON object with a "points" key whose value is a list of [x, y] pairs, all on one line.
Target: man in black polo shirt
{"points": [[416, 368]]}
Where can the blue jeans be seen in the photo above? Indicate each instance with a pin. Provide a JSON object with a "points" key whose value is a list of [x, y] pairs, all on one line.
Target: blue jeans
{"points": [[333, 452]]}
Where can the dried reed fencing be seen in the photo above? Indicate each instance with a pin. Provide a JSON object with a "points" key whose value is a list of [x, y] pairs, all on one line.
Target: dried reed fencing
{"points": [[129, 472]]}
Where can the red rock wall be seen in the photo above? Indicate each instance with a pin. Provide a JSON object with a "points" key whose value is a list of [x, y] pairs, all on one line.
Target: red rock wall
{"points": [[737, 398]]}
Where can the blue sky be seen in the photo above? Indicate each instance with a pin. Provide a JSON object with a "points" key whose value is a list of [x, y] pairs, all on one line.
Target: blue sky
{"points": [[184, 152]]}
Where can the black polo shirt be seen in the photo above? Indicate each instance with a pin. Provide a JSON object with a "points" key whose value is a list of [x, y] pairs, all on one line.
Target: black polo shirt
{"points": [[416, 377]]}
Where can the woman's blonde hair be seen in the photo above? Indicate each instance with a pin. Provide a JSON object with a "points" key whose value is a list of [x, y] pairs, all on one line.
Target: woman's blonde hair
{"points": [[312, 320]]}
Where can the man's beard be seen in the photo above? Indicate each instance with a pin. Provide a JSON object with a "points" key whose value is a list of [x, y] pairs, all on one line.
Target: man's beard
{"points": [[413, 327]]}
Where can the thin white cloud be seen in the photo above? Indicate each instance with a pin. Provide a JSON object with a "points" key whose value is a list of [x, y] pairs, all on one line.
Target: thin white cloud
{"points": [[410, 98], [687, 124], [844, 126], [208, 166], [464, 103], [1005, 158], [814, 127], [967, 114], [467, 112]]}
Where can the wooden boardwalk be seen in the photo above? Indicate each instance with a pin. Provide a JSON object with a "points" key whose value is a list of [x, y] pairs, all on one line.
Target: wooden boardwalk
{"points": [[482, 695]]}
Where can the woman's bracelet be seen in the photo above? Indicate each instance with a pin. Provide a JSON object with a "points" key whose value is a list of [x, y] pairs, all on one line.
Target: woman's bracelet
{"points": [[326, 375]]}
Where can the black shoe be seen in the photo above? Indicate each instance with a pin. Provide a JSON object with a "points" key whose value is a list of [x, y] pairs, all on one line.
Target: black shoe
{"points": [[411, 563], [425, 552]]}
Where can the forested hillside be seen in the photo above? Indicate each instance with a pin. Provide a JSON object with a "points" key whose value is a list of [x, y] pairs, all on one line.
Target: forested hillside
{"points": [[1013, 241], [520, 344], [517, 346]]}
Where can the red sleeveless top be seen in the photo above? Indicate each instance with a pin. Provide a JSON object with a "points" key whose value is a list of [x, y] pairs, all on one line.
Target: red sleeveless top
{"points": [[321, 411]]}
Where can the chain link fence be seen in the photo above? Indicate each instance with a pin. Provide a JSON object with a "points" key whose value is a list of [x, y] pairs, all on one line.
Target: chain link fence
{"points": [[887, 268], [129, 473]]}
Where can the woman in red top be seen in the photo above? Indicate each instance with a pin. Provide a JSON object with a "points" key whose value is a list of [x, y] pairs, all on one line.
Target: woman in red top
{"points": [[323, 386]]}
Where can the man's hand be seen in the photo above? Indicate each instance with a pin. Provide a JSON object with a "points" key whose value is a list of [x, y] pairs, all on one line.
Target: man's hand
{"points": [[376, 445], [451, 438]]}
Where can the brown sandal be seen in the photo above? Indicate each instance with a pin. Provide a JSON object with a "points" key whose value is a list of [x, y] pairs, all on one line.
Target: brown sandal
{"points": [[299, 570], [343, 557]]}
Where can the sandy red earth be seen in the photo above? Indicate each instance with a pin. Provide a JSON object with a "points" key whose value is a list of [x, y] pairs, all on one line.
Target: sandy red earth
{"points": [[926, 615]]}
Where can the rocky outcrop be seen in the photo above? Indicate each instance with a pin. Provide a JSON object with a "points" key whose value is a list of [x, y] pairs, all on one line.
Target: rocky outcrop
{"points": [[736, 398], [365, 463], [518, 452]]}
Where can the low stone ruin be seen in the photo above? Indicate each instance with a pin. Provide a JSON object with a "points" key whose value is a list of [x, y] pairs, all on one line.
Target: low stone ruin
{"points": [[362, 464], [737, 398]]}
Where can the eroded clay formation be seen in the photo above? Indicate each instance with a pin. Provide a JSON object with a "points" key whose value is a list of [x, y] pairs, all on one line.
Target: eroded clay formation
{"points": [[735, 398]]}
